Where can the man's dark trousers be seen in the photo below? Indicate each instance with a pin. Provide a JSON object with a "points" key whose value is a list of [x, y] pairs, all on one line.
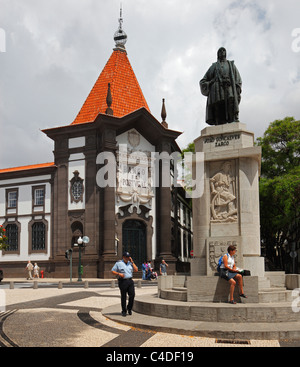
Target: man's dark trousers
{"points": [[126, 286]]}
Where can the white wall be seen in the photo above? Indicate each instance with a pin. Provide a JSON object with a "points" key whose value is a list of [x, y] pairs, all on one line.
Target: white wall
{"points": [[25, 215]]}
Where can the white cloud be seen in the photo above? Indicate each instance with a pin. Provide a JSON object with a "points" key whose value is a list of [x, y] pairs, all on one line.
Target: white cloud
{"points": [[56, 49]]}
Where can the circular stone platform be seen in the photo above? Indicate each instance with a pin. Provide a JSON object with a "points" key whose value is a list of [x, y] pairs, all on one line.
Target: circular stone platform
{"points": [[218, 320]]}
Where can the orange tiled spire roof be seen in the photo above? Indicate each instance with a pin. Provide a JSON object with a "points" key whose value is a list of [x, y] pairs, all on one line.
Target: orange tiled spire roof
{"points": [[126, 93]]}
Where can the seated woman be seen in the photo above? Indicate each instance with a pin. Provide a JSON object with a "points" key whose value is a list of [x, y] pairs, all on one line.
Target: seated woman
{"points": [[229, 272], [149, 271]]}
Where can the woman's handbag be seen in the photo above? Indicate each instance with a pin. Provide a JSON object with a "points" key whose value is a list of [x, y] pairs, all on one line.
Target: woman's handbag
{"points": [[246, 273]]}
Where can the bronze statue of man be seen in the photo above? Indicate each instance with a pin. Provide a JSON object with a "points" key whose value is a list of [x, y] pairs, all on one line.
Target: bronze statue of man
{"points": [[222, 85]]}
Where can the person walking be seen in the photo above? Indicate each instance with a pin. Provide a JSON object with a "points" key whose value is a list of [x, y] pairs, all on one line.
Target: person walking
{"points": [[124, 269], [36, 271], [231, 273], [29, 268]]}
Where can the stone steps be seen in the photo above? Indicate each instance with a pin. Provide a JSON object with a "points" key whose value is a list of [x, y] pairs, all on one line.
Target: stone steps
{"points": [[263, 283], [274, 289], [267, 313], [174, 294], [217, 312], [265, 295], [272, 295], [232, 330], [277, 278]]}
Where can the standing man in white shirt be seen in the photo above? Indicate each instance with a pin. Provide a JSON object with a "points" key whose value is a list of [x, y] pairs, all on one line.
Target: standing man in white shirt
{"points": [[29, 268], [124, 269]]}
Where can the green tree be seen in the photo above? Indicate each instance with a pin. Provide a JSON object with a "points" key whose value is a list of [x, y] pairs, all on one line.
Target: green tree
{"points": [[190, 148], [187, 171], [3, 239], [280, 189]]}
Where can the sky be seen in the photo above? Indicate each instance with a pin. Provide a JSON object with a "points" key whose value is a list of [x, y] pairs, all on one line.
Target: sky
{"points": [[52, 52]]}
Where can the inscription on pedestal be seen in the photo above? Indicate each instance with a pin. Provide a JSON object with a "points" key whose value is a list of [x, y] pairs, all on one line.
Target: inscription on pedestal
{"points": [[222, 140]]}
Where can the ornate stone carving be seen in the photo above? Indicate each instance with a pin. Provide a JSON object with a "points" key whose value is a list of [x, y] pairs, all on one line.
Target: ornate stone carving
{"points": [[76, 188], [223, 200], [134, 183], [134, 138], [216, 250]]}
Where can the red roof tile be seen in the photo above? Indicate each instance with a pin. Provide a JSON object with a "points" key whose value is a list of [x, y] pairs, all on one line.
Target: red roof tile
{"points": [[24, 168], [127, 95]]}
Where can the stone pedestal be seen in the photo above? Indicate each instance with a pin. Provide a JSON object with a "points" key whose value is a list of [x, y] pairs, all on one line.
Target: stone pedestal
{"points": [[227, 212]]}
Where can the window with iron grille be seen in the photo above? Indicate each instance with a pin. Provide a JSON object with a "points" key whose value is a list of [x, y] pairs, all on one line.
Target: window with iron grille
{"points": [[38, 236], [76, 188], [12, 233]]}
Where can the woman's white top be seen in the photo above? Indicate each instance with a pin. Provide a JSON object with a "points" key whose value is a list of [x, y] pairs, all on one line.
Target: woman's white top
{"points": [[230, 262]]}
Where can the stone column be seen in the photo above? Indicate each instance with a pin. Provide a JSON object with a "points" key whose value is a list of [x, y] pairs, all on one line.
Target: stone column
{"points": [[164, 223], [107, 212], [201, 222], [60, 239]]}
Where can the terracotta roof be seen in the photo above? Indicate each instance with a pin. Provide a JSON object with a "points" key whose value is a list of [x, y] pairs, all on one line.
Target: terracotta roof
{"points": [[24, 168], [127, 95]]}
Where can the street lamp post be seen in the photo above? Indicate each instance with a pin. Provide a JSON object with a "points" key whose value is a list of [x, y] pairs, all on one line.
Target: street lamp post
{"points": [[79, 241]]}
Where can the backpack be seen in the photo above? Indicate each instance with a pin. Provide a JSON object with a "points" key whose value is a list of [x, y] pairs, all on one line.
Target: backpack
{"points": [[220, 262]]}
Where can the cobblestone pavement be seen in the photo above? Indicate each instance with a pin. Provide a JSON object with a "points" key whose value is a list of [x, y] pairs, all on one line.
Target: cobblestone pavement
{"points": [[71, 317]]}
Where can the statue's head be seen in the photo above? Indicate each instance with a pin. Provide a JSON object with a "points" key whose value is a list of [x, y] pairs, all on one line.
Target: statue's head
{"points": [[221, 53], [226, 166]]}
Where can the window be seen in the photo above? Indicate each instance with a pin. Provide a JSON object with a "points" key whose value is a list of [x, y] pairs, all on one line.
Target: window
{"points": [[185, 254], [12, 233], [184, 214], [77, 188], [178, 210], [38, 236], [39, 196], [12, 199], [189, 244]]}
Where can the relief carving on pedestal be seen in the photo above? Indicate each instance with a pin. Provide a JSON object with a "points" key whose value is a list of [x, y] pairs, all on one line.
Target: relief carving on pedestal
{"points": [[216, 250], [223, 194]]}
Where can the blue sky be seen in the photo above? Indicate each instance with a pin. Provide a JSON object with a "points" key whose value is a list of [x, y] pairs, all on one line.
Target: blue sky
{"points": [[55, 51]]}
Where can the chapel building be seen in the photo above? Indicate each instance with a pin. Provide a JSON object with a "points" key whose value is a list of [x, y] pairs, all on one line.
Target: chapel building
{"points": [[107, 182]]}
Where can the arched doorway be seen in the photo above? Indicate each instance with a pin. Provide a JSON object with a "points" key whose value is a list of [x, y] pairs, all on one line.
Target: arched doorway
{"points": [[77, 231], [135, 240]]}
